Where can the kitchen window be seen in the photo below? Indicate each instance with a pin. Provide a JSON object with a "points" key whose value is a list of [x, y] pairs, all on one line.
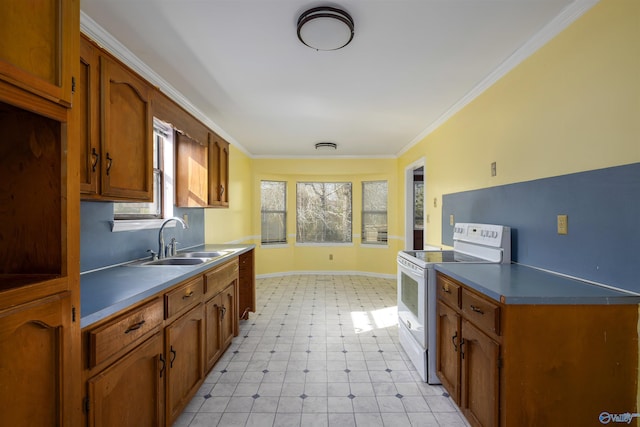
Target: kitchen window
{"points": [[374, 212], [135, 216], [273, 199], [323, 212]]}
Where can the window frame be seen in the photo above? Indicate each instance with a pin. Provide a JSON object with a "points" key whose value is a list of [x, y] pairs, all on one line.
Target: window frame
{"points": [[363, 212], [166, 182], [345, 242], [264, 211]]}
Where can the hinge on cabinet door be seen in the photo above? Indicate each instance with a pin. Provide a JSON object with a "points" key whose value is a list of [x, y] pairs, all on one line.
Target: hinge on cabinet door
{"points": [[73, 85], [73, 314]]}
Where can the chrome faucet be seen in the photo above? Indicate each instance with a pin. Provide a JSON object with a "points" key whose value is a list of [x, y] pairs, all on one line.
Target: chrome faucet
{"points": [[161, 249]]}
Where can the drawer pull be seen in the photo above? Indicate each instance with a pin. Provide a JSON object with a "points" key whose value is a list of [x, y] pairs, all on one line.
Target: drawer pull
{"points": [[476, 309], [189, 295], [135, 327], [446, 290]]}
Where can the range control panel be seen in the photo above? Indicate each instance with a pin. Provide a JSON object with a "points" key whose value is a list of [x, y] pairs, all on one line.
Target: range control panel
{"points": [[482, 234]]}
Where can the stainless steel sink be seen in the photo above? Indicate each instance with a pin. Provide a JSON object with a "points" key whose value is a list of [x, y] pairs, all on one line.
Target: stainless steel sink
{"points": [[176, 261], [205, 254]]}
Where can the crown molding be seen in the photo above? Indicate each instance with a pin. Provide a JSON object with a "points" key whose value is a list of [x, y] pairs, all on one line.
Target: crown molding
{"points": [[568, 15]]}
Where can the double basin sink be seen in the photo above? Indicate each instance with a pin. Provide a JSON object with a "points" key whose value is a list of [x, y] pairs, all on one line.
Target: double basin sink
{"points": [[186, 258]]}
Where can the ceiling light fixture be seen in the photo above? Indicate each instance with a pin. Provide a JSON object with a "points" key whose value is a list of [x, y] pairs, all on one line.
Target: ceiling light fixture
{"points": [[325, 28], [326, 146]]}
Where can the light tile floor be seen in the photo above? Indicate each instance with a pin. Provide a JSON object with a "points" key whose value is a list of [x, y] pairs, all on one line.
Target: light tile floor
{"points": [[321, 350]]}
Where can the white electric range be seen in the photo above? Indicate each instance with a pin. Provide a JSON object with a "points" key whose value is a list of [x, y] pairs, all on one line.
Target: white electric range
{"points": [[472, 243]]}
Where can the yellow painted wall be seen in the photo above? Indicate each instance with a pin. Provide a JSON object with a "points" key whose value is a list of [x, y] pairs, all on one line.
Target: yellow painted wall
{"points": [[572, 106], [351, 258], [233, 225]]}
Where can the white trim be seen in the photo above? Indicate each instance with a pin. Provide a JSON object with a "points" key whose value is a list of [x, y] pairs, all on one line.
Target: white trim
{"points": [[274, 245], [548, 32], [309, 244], [138, 224], [408, 201], [327, 273]]}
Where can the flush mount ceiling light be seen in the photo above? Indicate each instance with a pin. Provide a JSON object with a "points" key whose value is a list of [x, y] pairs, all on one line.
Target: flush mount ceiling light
{"points": [[325, 28], [326, 146]]}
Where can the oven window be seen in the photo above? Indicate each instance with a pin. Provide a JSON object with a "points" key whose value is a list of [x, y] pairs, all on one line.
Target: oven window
{"points": [[409, 294]]}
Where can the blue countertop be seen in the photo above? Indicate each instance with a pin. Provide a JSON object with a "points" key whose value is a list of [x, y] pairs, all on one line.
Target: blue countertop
{"points": [[106, 291], [518, 284]]}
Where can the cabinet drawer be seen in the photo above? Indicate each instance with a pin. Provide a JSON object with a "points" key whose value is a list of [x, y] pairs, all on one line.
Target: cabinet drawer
{"points": [[123, 331], [482, 312], [448, 291], [184, 296], [218, 279]]}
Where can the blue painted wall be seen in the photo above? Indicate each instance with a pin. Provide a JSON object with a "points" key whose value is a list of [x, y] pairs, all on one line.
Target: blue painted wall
{"points": [[99, 247], [603, 243]]}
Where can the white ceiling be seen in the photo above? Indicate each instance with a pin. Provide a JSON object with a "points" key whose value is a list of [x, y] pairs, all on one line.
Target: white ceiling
{"points": [[238, 65]]}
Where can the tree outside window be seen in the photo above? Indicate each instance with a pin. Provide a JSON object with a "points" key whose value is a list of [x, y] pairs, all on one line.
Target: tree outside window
{"points": [[323, 212]]}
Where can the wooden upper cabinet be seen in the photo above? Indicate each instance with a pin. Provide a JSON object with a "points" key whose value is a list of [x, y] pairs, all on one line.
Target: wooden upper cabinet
{"points": [[219, 171], [127, 132], [37, 41], [202, 171], [116, 128], [192, 172], [87, 104]]}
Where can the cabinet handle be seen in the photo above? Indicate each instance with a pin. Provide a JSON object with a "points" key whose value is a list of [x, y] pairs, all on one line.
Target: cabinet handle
{"points": [[135, 326], [164, 365], [476, 309], [462, 341], [446, 290], [189, 295], [453, 338], [173, 357], [109, 162], [96, 157], [221, 190]]}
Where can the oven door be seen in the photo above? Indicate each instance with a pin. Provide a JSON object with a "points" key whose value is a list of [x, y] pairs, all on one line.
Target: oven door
{"points": [[412, 303]]}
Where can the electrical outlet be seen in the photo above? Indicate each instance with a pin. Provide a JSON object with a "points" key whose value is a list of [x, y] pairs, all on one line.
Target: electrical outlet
{"points": [[451, 221], [563, 224], [330, 257], [185, 218], [435, 202], [493, 169]]}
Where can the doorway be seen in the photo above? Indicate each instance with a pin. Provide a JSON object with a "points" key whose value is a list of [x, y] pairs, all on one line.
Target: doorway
{"points": [[415, 230]]}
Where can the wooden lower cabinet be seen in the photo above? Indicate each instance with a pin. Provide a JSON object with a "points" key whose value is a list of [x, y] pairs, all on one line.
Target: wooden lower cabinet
{"points": [[479, 374], [246, 284], [130, 392], [220, 315], [184, 350], [535, 364], [35, 376]]}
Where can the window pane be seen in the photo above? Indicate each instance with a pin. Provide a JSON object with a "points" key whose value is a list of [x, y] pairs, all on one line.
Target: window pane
{"points": [[274, 216], [418, 203], [323, 212], [374, 212]]}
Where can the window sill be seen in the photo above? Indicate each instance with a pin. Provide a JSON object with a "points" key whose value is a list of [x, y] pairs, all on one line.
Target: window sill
{"points": [[138, 224]]}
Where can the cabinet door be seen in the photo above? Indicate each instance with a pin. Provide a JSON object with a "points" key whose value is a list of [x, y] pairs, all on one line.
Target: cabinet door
{"points": [[184, 351], [37, 44], [86, 107], [448, 349], [35, 369], [229, 316], [480, 377], [246, 285], [130, 392], [219, 171], [213, 340], [192, 172], [126, 134]]}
